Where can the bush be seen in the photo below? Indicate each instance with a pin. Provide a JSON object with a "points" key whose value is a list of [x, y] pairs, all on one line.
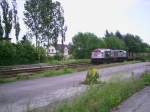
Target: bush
{"points": [[92, 77], [58, 57], [104, 98], [146, 78], [7, 53], [20, 53]]}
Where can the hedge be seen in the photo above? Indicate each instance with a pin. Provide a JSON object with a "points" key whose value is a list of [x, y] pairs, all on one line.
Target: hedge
{"points": [[20, 53]]}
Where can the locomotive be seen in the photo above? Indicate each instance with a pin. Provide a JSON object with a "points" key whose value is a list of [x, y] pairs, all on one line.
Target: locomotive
{"points": [[100, 55]]}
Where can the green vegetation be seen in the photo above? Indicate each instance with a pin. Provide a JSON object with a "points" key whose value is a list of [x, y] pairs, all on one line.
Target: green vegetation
{"points": [[84, 43], [52, 60], [104, 98], [27, 76], [20, 53], [50, 73], [114, 42], [54, 72], [45, 18], [92, 77]]}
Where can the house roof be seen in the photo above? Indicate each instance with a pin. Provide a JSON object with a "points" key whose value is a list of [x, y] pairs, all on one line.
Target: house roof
{"points": [[60, 46]]}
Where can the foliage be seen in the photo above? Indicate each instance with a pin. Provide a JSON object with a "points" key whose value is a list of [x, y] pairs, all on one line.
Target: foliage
{"points": [[20, 53], [32, 18], [113, 42], [7, 17], [45, 19], [22, 76], [92, 77], [16, 19], [1, 29], [104, 98], [7, 53], [84, 43], [146, 79], [133, 43], [58, 57]]}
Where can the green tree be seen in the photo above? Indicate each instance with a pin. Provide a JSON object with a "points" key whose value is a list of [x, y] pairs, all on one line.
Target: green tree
{"points": [[1, 29], [7, 18], [32, 18], [119, 35], [114, 42], [53, 22], [16, 19], [46, 19], [133, 43], [84, 43]]}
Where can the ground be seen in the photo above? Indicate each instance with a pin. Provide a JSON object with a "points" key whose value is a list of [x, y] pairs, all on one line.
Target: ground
{"points": [[40, 92], [139, 102]]}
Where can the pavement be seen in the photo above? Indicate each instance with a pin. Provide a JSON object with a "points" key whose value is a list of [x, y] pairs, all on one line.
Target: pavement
{"points": [[17, 96]]}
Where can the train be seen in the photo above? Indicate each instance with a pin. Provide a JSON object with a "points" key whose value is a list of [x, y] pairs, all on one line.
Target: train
{"points": [[104, 55], [101, 55]]}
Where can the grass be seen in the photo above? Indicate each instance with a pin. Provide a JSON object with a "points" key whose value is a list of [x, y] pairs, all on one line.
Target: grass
{"points": [[69, 61], [50, 73], [27, 76], [104, 98]]}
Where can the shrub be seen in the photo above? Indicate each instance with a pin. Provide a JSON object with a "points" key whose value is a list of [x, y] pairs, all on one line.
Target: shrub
{"points": [[58, 57], [92, 77], [7, 53], [146, 78], [20, 53]]}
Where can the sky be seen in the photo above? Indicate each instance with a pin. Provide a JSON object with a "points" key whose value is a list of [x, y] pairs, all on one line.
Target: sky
{"points": [[127, 16]]}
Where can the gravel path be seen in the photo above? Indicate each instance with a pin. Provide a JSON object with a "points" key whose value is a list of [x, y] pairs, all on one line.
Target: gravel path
{"points": [[40, 92]]}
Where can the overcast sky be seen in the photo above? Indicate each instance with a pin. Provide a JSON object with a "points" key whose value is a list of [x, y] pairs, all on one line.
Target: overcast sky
{"points": [[127, 16]]}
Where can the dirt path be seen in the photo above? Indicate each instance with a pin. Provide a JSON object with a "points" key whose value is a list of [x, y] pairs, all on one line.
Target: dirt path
{"points": [[40, 92]]}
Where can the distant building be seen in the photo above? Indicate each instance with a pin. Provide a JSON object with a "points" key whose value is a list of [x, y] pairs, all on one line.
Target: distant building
{"points": [[52, 51]]}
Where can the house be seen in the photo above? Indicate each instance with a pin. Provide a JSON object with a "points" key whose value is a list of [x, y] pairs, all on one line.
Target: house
{"points": [[52, 51]]}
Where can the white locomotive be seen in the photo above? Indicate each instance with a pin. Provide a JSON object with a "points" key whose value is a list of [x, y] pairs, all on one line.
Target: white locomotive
{"points": [[101, 55]]}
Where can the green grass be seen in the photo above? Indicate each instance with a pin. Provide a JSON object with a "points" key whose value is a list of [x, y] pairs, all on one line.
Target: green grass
{"points": [[47, 73], [50, 73], [104, 98], [69, 61]]}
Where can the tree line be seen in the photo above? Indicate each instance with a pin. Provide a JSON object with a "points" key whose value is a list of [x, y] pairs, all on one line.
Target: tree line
{"points": [[83, 43], [44, 19], [46, 24]]}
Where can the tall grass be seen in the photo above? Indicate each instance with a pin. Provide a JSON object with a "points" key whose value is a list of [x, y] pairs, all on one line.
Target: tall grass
{"points": [[104, 98]]}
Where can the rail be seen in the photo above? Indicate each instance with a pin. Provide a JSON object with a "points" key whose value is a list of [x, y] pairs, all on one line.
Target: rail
{"points": [[12, 72]]}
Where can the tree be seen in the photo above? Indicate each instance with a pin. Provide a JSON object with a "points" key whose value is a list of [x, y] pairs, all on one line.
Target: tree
{"points": [[53, 21], [1, 29], [60, 22], [32, 18], [84, 43], [119, 35], [133, 43], [107, 34], [114, 43], [45, 18], [16, 19], [7, 18]]}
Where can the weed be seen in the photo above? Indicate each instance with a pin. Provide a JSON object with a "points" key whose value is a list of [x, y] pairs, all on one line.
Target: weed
{"points": [[106, 97]]}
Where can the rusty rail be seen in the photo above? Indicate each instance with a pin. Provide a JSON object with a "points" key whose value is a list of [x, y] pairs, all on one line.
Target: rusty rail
{"points": [[12, 72]]}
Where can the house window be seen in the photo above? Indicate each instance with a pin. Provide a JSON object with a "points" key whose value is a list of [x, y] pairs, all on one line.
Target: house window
{"points": [[52, 50]]}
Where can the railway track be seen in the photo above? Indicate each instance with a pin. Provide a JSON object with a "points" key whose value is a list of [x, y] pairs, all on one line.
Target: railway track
{"points": [[13, 71]]}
